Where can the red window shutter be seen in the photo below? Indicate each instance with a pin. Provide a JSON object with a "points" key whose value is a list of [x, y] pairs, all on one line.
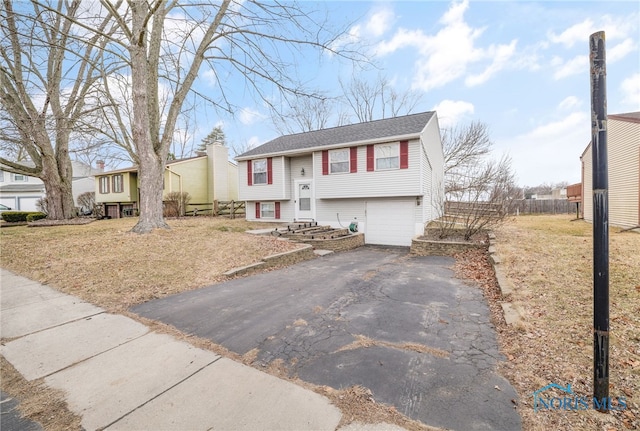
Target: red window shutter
{"points": [[354, 159], [269, 170], [257, 209], [371, 159], [404, 154], [249, 173], [325, 162], [277, 205]]}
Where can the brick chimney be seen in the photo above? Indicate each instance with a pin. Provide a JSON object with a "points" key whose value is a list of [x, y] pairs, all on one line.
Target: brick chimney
{"points": [[100, 165]]}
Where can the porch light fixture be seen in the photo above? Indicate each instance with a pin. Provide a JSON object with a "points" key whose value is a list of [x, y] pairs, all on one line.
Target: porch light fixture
{"points": [[302, 172]]}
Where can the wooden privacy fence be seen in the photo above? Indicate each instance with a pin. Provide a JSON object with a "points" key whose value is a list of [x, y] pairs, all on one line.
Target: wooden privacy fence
{"points": [[461, 209], [229, 208], [544, 206], [458, 210]]}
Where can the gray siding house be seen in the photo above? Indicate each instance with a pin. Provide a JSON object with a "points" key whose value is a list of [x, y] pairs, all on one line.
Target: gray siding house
{"points": [[387, 175]]}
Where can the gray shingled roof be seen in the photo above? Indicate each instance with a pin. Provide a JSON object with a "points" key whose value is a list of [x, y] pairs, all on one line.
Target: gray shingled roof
{"points": [[379, 129]]}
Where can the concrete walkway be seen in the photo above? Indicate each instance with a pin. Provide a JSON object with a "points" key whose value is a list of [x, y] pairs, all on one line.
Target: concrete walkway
{"points": [[118, 375]]}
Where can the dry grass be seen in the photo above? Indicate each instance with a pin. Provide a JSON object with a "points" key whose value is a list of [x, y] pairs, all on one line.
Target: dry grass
{"points": [[549, 259], [105, 264], [37, 401]]}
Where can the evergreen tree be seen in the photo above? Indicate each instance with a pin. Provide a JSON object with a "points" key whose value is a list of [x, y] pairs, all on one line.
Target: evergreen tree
{"points": [[216, 135]]}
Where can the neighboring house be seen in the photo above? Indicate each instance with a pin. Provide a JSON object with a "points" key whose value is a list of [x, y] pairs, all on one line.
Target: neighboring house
{"points": [[387, 175], [207, 177], [22, 192], [557, 193], [623, 148]]}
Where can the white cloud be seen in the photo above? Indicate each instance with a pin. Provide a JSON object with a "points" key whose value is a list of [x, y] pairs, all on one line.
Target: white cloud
{"points": [[551, 152], [379, 22], [571, 67], [446, 55], [621, 50], [376, 24], [569, 103], [210, 77], [577, 33], [450, 112], [501, 55], [249, 116], [630, 88]]}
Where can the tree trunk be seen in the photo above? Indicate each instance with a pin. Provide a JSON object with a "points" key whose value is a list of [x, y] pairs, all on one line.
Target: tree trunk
{"points": [[150, 179], [150, 154], [57, 177]]}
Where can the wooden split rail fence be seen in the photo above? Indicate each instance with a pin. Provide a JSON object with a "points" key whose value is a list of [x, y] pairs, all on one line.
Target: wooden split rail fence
{"points": [[231, 209]]}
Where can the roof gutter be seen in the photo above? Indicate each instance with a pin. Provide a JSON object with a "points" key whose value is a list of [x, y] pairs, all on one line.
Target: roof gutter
{"points": [[300, 151]]}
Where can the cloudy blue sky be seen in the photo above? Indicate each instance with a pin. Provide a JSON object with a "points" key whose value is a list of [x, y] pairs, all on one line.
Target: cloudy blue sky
{"points": [[521, 67]]}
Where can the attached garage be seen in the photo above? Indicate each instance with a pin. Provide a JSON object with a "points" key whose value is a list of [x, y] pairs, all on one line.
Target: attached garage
{"points": [[390, 221], [28, 203]]}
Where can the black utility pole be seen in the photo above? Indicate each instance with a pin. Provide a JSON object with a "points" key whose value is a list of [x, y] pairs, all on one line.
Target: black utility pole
{"points": [[600, 217]]}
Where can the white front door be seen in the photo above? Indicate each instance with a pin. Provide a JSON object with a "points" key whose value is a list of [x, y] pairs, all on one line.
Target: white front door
{"points": [[304, 200]]}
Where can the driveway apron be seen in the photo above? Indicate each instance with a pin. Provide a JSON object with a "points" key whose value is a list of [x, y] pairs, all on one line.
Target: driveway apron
{"points": [[402, 326]]}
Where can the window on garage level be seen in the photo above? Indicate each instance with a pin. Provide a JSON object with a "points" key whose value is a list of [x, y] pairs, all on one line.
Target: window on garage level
{"points": [[267, 210], [339, 161]]}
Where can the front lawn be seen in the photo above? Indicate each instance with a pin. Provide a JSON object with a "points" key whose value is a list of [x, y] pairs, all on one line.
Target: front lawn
{"points": [[103, 263], [549, 260]]}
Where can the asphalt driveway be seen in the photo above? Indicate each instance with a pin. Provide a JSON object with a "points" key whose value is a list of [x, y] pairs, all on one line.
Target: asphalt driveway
{"points": [[400, 325]]}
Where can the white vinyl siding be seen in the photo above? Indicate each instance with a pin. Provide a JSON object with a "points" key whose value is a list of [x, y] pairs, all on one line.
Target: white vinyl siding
{"points": [[587, 185], [278, 190], [624, 172], [623, 148], [393, 182]]}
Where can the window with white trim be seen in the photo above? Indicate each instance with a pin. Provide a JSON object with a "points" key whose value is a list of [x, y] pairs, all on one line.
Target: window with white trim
{"points": [[267, 210], [19, 178], [118, 186], [339, 161], [259, 171], [387, 156], [104, 185]]}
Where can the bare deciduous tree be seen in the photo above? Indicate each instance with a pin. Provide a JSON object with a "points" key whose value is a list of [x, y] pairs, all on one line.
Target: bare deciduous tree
{"points": [[480, 192], [378, 99], [166, 43], [304, 113], [463, 147], [47, 72]]}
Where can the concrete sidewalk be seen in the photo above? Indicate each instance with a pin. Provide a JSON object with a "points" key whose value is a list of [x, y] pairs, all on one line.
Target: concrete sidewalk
{"points": [[118, 375]]}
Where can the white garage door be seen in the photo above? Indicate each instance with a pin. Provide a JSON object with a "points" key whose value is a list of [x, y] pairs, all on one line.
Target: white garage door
{"points": [[390, 221], [28, 203]]}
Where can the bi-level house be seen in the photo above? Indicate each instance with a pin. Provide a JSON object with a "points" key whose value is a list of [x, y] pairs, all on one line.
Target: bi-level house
{"points": [[207, 177], [386, 175]]}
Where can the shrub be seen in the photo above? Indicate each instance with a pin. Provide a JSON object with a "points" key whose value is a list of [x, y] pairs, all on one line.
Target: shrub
{"points": [[35, 216], [41, 204], [19, 216], [175, 204], [87, 202]]}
